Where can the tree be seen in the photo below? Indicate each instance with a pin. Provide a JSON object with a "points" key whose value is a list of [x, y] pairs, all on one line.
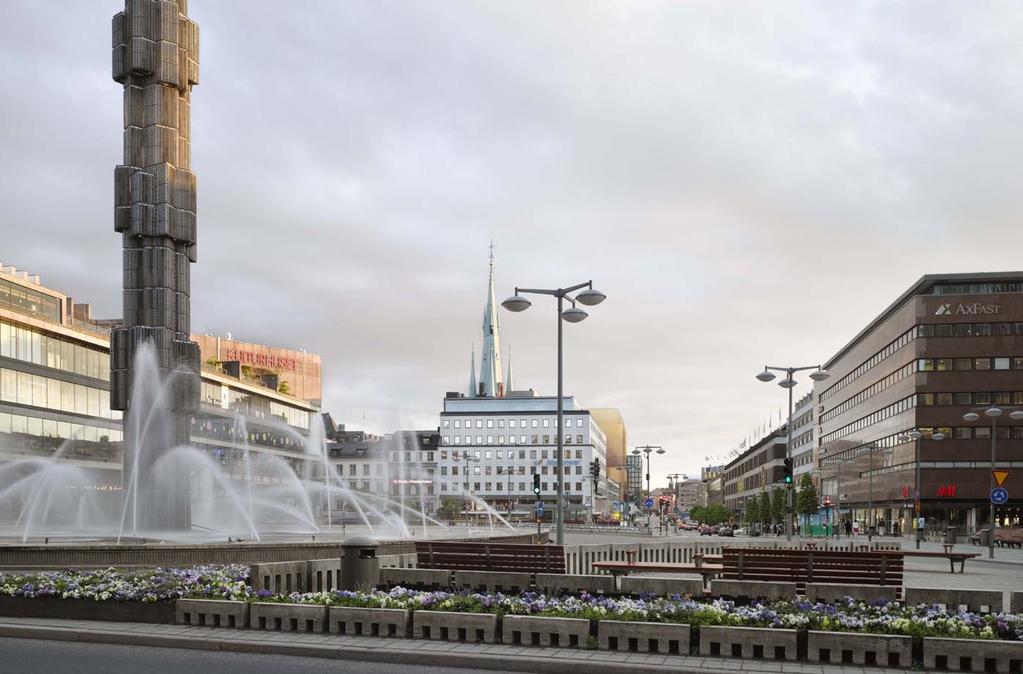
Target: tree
{"points": [[765, 509], [450, 508], [284, 387], [806, 501], [778, 507], [752, 510]]}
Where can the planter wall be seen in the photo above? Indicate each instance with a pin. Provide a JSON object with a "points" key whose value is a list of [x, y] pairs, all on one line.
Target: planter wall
{"points": [[212, 613], [978, 601], [643, 637], [161, 612], [831, 592], [860, 649], [424, 578], [753, 589], [545, 631], [748, 642], [288, 617], [493, 581], [441, 626], [972, 654], [685, 585], [370, 622], [565, 583]]}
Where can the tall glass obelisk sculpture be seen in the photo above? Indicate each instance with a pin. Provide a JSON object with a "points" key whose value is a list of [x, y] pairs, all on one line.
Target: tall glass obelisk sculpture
{"points": [[156, 58]]}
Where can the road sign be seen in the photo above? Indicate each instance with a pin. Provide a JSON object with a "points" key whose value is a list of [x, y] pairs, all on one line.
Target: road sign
{"points": [[539, 508], [1000, 476], [616, 506], [648, 503], [999, 496]]}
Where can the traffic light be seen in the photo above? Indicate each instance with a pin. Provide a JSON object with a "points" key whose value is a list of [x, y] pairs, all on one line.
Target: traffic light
{"points": [[595, 469], [787, 476], [536, 483]]}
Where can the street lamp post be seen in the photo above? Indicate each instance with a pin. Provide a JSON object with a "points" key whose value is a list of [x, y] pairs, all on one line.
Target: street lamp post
{"points": [[789, 383], [916, 436], [467, 458], [993, 413], [646, 449], [574, 314]]}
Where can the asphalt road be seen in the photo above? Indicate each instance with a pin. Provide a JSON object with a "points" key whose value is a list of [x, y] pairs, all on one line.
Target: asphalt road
{"points": [[29, 656]]}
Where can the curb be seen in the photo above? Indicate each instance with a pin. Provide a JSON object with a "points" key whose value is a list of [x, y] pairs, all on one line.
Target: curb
{"points": [[551, 664]]}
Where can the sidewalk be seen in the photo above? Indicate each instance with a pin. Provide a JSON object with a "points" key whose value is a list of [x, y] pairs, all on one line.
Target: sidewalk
{"points": [[403, 651]]}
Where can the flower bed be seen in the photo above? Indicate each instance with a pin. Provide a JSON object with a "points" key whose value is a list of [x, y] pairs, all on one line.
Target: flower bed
{"points": [[121, 585]]}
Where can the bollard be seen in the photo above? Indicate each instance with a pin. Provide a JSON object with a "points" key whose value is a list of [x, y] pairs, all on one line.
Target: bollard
{"points": [[360, 567]]}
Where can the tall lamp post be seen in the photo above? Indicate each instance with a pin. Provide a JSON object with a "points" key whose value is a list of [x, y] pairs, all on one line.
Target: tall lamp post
{"points": [[646, 449], [467, 457], [573, 314], [789, 383], [916, 436], [992, 413]]}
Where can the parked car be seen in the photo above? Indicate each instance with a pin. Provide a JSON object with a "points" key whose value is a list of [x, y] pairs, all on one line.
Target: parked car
{"points": [[706, 530], [725, 530], [740, 532]]}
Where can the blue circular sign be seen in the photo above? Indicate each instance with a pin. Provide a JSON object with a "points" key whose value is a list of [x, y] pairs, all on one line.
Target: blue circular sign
{"points": [[999, 496], [539, 507], [649, 502]]}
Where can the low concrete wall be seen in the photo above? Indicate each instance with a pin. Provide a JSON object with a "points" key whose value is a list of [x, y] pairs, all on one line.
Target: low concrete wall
{"points": [[752, 589], [685, 585], [441, 626], [748, 642], [322, 574], [543, 631], [642, 637], [862, 649], [370, 622], [280, 577], [1016, 602], [161, 612], [212, 613], [288, 617], [563, 583], [829, 592], [970, 654], [494, 581], [978, 601], [426, 578]]}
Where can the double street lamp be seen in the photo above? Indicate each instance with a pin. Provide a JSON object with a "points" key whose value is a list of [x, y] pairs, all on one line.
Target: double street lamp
{"points": [[789, 382], [646, 449], [916, 436], [992, 413], [467, 457], [589, 297]]}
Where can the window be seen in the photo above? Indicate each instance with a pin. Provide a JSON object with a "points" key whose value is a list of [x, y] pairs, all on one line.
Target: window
{"points": [[490, 423], [962, 364], [1001, 363], [546, 423], [490, 439], [500, 439], [479, 439], [546, 439], [981, 363], [488, 454], [500, 423], [534, 422], [479, 423], [458, 423]]}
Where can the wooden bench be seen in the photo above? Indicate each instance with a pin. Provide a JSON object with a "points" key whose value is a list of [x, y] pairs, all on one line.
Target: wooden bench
{"points": [[625, 568], [813, 566], [464, 556], [1005, 537], [952, 557]]}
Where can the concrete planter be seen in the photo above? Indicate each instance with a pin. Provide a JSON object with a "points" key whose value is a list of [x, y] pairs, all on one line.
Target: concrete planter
{"points": [[753, 589], [426, 578], [861, 649], [161, 612], [643, 637], [212, 613], [748, 642], [832, 592], [288, 617], [545, 631], [445, 626], [566, 583], [972, 654], [665, 587], [978, 601], [375, 622], [493, 581]]}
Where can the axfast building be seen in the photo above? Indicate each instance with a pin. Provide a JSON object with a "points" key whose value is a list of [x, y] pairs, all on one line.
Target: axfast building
{"points": [[919, 401]]}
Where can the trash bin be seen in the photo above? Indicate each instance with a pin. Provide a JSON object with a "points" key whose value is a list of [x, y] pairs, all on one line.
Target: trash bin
{"points": [[950, 534], [360, 567]]}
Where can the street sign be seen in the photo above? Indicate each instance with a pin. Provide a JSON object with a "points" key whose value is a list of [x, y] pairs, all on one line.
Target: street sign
{"points": [[1000, 476], [999, 496], [648, 503], [616, 506], [539, 508], [921, 522]]}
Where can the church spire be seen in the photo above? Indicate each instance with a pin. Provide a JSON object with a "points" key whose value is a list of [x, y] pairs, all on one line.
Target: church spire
{"points": [[491, 379], [508, 385], [473, 388]]}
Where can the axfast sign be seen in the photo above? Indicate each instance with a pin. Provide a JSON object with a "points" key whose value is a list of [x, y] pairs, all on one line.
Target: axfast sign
{"points": [[974, 309]]}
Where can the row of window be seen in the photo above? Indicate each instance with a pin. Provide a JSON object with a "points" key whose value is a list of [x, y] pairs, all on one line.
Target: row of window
{"points": [[252, 405], [491, 487], [510, 454], [512, 470], [897, 407], [500, 423], [48, 428], [53, 394], [965, 364], [970, 330], [32, 346], [535, 439], [875, 388], [975, 288], [968, 398], [896, 344], [29, 301]]}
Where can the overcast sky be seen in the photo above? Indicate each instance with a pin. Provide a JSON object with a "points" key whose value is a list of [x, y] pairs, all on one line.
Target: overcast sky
{"points": [[748, 182]]}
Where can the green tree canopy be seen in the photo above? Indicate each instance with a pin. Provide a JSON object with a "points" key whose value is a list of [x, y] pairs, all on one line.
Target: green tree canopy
{"points": [[778, 509], [765, 508], [807, 501], [752, 510]]}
